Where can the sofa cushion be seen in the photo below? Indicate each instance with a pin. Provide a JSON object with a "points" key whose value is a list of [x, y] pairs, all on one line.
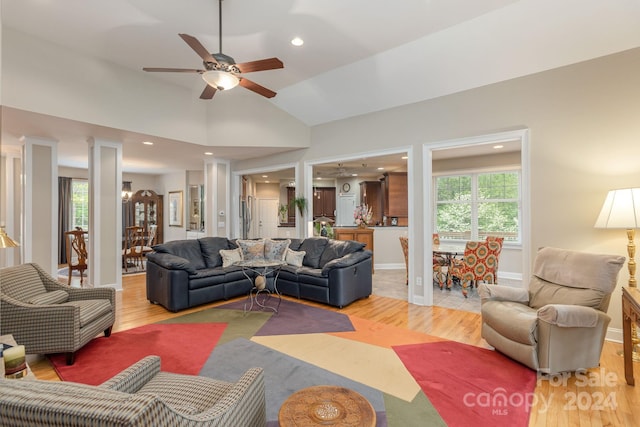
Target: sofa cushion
{"points": [[338, 248], [313, 246], [230, 256], [251, 249], [53, 297], [275, 250], [91, 309], [542, 293], [171, 262], [294, 258], [211, 247], [188, 249], [295, 244], [578, 269]]}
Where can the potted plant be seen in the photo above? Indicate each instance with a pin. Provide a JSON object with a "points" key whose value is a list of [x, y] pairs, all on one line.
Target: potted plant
{"points": [[282, 211], [301, 203]]}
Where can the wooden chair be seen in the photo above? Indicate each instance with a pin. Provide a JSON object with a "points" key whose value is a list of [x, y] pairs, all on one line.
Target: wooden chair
{"points": [[76, 253], [133, 248], [404, 242]]}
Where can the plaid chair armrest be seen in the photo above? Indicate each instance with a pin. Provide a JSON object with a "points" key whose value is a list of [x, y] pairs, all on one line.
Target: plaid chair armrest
{"points": [[244, 402], [77, 294], [135, 376]]}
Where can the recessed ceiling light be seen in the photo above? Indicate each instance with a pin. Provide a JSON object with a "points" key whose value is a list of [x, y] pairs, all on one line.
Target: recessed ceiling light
{"points": [[297, 41], [265, 176], [354, 174], [498, 146], [208, 153], [380, 168], [147, 142], [404, 157], [266, 182]]}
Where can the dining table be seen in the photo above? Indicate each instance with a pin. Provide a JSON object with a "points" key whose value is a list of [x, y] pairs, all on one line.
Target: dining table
{"points": [[450, 252]]}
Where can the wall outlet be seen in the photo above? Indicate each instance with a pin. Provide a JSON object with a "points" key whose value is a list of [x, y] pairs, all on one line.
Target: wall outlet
{"points": [[418, 281]]}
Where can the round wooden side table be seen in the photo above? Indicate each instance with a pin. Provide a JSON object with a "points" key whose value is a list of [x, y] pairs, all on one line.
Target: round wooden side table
{"points": [[327, 406]]}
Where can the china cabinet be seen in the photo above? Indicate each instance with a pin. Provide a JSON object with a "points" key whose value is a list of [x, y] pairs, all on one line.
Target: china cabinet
{"points": [[147, 211]]}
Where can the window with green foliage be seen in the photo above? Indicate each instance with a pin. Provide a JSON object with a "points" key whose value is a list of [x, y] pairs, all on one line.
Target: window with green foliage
{"points": [[80, 203], [473, 206]]}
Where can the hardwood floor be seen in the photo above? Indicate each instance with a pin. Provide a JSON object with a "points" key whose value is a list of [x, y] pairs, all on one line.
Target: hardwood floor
{"points": [[600, 397]]}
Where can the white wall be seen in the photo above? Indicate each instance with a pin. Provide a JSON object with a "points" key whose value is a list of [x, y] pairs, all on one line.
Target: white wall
{"points": [[584, 139]]}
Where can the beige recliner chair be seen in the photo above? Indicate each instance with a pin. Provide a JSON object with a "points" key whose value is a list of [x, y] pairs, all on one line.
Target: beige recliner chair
{"points": [[559, 324]]}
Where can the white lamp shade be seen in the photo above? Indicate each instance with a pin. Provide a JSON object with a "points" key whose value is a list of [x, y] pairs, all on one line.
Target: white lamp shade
{"points": [[621, 209], [221, 80]]}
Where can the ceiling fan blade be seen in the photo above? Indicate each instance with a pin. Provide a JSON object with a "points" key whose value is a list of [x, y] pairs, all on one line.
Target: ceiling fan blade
{"points": [[199, 49], [261, 65], [208, 92], [172, 70], [255, 87]]}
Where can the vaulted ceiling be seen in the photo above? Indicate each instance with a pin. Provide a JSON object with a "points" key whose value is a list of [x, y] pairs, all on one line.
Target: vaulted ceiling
{"points": [[358, 56]]}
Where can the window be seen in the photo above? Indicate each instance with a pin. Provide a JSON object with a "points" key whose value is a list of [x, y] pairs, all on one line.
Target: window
{"points": [[472, 206], [80, 203]]}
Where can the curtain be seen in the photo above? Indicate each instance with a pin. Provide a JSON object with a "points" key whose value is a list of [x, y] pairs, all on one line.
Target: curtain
{"points": [[64, 213]]}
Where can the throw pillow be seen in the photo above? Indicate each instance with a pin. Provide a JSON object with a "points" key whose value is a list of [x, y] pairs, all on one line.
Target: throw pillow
{"points": [[294, 257], [275, 250], [53, 297], [230, 256], [251, 249]]}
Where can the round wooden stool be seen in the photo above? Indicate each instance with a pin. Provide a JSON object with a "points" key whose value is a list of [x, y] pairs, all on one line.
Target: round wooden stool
{"points": [[328, 406]]}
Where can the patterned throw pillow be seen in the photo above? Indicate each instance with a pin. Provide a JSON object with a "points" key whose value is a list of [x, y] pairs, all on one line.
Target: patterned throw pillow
{"points": [[275, 250], [294, 257], [252, 249], [230, 256]]}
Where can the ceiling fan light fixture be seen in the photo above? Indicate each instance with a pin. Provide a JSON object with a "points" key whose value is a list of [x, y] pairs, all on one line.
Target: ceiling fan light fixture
{"points": [[221, 80]]}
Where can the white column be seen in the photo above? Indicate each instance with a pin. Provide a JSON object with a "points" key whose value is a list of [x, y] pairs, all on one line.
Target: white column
{"points": [[217, 184], [40, 202], [11, 206], [105, 213]]}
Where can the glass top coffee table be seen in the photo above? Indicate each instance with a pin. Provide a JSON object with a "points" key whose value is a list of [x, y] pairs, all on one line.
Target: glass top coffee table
{"points": [[260, 294]]}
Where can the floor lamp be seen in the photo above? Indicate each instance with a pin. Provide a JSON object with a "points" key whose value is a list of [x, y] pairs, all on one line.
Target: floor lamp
{"points": [[6, 241], [621, 209]]}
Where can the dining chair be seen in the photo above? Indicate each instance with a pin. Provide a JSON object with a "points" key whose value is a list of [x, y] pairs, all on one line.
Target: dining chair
{"points": [[439, 263], [479, 263], [76, 253], [404, 243], [134, 244], [495, 243]]}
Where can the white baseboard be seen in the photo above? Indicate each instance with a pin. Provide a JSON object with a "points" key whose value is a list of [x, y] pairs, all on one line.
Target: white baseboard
{"points": [[614, 335], [390, 266]]}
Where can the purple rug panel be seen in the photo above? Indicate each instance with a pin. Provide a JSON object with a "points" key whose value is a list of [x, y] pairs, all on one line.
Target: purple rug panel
{"points": [[294, 318]]}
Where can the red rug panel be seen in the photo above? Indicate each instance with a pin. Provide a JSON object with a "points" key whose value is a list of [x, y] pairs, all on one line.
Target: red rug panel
{"points": [[471, 386], [183, 347]]}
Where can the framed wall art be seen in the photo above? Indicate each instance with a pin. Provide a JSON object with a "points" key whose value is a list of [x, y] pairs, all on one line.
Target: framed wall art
{"points": [[176, 210]]}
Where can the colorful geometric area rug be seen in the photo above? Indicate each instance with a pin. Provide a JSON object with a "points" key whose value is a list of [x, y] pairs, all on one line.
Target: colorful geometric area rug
{"points": [[183, 348], [410, 378]]}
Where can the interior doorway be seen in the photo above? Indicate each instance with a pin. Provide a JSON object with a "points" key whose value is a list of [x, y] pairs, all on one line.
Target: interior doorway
{"points": [[267, 220]]}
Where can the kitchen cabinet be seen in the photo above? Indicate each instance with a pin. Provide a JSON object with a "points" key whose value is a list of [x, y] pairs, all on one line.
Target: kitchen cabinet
{"points": [[395, 196], [362, 235], [147, 211], [371, 195], [324, 202]]}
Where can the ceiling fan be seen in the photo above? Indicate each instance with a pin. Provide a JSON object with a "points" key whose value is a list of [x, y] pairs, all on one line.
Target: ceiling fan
{"points": [[221, 71]]}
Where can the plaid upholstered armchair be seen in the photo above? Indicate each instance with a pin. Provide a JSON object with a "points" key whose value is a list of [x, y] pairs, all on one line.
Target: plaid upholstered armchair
{"points": [[139, 396], [48, 317]]}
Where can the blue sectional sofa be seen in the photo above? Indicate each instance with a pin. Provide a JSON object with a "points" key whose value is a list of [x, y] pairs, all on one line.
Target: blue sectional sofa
{"points": [[186, 273]]}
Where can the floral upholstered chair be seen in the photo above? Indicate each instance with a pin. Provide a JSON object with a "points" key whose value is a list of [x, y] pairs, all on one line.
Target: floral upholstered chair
{"points": [[479, 263]]}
